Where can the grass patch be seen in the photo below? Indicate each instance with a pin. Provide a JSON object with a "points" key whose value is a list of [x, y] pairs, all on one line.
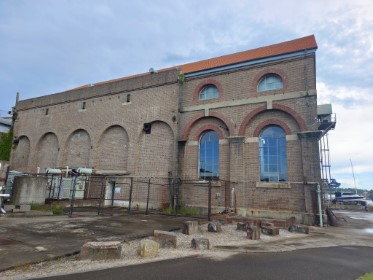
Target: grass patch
{"points": [[56, 209], [368, 276], [182, 211]]}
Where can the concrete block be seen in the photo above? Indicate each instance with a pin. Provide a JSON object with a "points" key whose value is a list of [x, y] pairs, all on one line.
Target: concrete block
{"points": [[190, 227], [165, 239], [214, 227], [106, 250], [253, 233], [266, 224], [241, 226], [29, 189], [148, 248], [272, 231], [25, 208], [299, 229], [200, 243], [9, 207]]}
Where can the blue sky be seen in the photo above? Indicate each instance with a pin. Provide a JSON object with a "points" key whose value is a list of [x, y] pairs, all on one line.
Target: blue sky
{"points": [[49, 46]]}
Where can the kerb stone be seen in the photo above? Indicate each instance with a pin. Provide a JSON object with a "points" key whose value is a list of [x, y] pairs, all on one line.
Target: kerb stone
{"points": [[253, 233], [190, 227], [266, 224], [241, 226], [106, 250], [271, 231], [299, 228], [165, 239], [200, 243], [214, 227], [148, 248]]}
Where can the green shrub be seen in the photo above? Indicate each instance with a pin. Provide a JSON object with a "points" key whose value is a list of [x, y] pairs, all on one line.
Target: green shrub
{"points": [[6, 145], [368, 276], [56, 209]]}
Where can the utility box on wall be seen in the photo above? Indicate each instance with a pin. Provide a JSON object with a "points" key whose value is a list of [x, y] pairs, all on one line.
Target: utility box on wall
{"points": [[29, 189]]}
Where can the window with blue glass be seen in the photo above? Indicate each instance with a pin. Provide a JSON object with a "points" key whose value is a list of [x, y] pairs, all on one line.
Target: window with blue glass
{"points": [[272, 155], [270, 82], [209, 156], [208, 92]]}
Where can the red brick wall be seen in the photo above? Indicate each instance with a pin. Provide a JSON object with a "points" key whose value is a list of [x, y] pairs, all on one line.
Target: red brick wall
{"points": [[108, 132], [239, 160]]}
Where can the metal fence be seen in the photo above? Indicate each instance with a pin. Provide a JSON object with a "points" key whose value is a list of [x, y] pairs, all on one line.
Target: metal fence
{"points": [[142, 194]]}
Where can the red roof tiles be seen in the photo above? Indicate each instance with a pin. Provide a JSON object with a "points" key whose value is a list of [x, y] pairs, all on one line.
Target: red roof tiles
{"points": [[300, 44], [305, 43]]}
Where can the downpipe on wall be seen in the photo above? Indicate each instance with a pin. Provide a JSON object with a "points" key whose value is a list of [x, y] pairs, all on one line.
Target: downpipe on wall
{"points": [[318, 191]]}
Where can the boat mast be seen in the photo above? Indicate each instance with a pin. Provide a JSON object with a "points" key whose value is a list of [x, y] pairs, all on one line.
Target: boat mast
{"points": [[353, 175]]}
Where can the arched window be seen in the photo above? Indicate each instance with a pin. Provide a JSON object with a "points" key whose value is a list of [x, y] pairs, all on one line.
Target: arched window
{"points": [[209, 155], [208, 92], [270, 82], [272, 155]]}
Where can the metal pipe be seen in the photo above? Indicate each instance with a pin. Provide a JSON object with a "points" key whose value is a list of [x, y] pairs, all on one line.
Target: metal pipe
{"points": [[319, 203]]}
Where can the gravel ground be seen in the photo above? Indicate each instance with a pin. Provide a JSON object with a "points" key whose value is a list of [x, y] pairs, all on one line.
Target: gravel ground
{"points": [[228, 237]]}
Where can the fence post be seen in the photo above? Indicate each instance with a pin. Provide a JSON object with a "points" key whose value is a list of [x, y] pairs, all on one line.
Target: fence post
{"points": [[50, 187], [171, 190], [130, 198], [209, 202], [102, 196], [59, 187], [72, 198], [177, 195], [112, 193], [147, 199]]}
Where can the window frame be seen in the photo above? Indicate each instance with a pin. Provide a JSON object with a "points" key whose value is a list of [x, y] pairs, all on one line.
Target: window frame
{"points": [[212, 161], [273, 162], [204, 88], [264, 78]]}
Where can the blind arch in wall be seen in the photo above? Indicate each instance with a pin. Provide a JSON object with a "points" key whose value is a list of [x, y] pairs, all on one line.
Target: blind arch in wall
{"points": [[21, 155], [47, 151], [78, 149], [113, 149]]}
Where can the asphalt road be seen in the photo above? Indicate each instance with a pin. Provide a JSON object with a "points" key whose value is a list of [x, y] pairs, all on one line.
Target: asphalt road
{"points": [[345, 262]]}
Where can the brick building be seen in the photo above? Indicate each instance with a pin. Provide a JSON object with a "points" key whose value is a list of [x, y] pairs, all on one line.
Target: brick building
{"points": [[247, 120]]}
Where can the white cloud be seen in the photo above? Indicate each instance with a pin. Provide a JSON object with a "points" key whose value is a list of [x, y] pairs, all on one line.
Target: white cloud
{"points": [[50, 46], [352, 138]]}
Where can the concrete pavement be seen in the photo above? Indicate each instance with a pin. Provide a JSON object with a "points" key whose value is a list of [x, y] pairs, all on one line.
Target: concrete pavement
{"points": [[25, 240]]}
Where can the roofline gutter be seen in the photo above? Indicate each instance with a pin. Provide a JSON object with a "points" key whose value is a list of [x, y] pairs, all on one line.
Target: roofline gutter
{"points": [[248, 63]]}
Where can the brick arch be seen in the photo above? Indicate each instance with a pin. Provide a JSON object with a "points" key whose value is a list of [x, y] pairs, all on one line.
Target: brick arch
{"points": [[47, 150], [112, 148], [280, 72], [249, 117], [268, 122], [78, 149], [216, 115], [155, 151], [21, 153], [140, 131], [298, 119], [207, 127], [204, 83]]}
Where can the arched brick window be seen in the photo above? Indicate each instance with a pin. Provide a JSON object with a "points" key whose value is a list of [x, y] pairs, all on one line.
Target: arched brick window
{"points": [[209, 92], [208, 167], [272, 154], [270, 82]]}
